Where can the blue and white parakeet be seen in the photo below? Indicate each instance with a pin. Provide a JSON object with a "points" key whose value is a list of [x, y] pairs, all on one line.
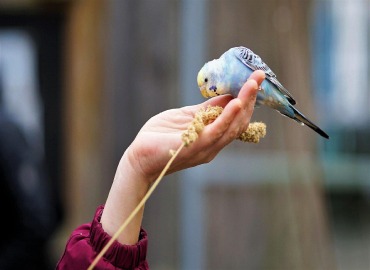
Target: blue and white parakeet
{"points": [[227, 75]]}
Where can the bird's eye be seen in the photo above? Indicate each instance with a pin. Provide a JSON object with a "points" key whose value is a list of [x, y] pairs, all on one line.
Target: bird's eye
{"points": [[206, 80]]}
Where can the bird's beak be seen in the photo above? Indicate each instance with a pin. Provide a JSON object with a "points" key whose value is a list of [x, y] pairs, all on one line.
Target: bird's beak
{"points": [[203, 91], [202, 87]]}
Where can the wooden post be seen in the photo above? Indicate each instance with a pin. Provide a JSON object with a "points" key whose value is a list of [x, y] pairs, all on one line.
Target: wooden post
{"points": [[291, 227], [83, 110]]}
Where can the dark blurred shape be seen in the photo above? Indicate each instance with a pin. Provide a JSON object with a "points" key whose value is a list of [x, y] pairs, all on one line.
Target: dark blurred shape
{"points": [[28, 218], [30, 176]]}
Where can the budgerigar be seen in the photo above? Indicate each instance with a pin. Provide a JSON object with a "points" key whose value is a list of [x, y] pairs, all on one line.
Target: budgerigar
{"points": [[227, 75]]}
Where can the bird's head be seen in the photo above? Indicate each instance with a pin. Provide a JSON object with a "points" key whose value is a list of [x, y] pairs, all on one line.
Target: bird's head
{"points": [[210, 79]]}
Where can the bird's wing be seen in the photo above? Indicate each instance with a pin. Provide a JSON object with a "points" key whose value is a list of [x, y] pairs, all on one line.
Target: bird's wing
{"points": [[253, 61]]}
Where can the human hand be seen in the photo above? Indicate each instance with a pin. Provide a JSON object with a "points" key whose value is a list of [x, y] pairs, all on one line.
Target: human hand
{"points": [[149, 152]]}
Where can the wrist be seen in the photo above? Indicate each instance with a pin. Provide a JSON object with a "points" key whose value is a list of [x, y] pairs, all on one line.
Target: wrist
{"points": [[128, 189], [137, 159], [129, 171]]}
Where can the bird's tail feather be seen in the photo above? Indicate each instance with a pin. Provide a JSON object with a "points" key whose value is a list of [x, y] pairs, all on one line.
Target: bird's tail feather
{"points": [[299, 117]]}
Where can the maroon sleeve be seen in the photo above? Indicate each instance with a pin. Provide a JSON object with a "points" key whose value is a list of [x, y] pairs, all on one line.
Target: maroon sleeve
{"points": [[89, 239]]}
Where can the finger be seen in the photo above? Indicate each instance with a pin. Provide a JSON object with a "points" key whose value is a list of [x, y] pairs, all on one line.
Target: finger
{"points": [[248, 92], [258, 76], [202, 150], [237, 126], [214, 131], [247, 97]]}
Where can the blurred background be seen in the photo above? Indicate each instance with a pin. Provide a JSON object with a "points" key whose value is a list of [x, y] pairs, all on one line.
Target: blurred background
{"points": [[79, 78]]}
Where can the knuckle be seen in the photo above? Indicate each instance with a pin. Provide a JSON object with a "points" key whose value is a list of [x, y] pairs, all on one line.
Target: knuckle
{"points": [[208, 159], [205, 157], [214, 138], [233, 134], [253, 97], [244, 128]]}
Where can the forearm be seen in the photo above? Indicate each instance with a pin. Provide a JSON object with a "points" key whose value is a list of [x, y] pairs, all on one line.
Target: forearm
{"points": [[127, 190]]}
